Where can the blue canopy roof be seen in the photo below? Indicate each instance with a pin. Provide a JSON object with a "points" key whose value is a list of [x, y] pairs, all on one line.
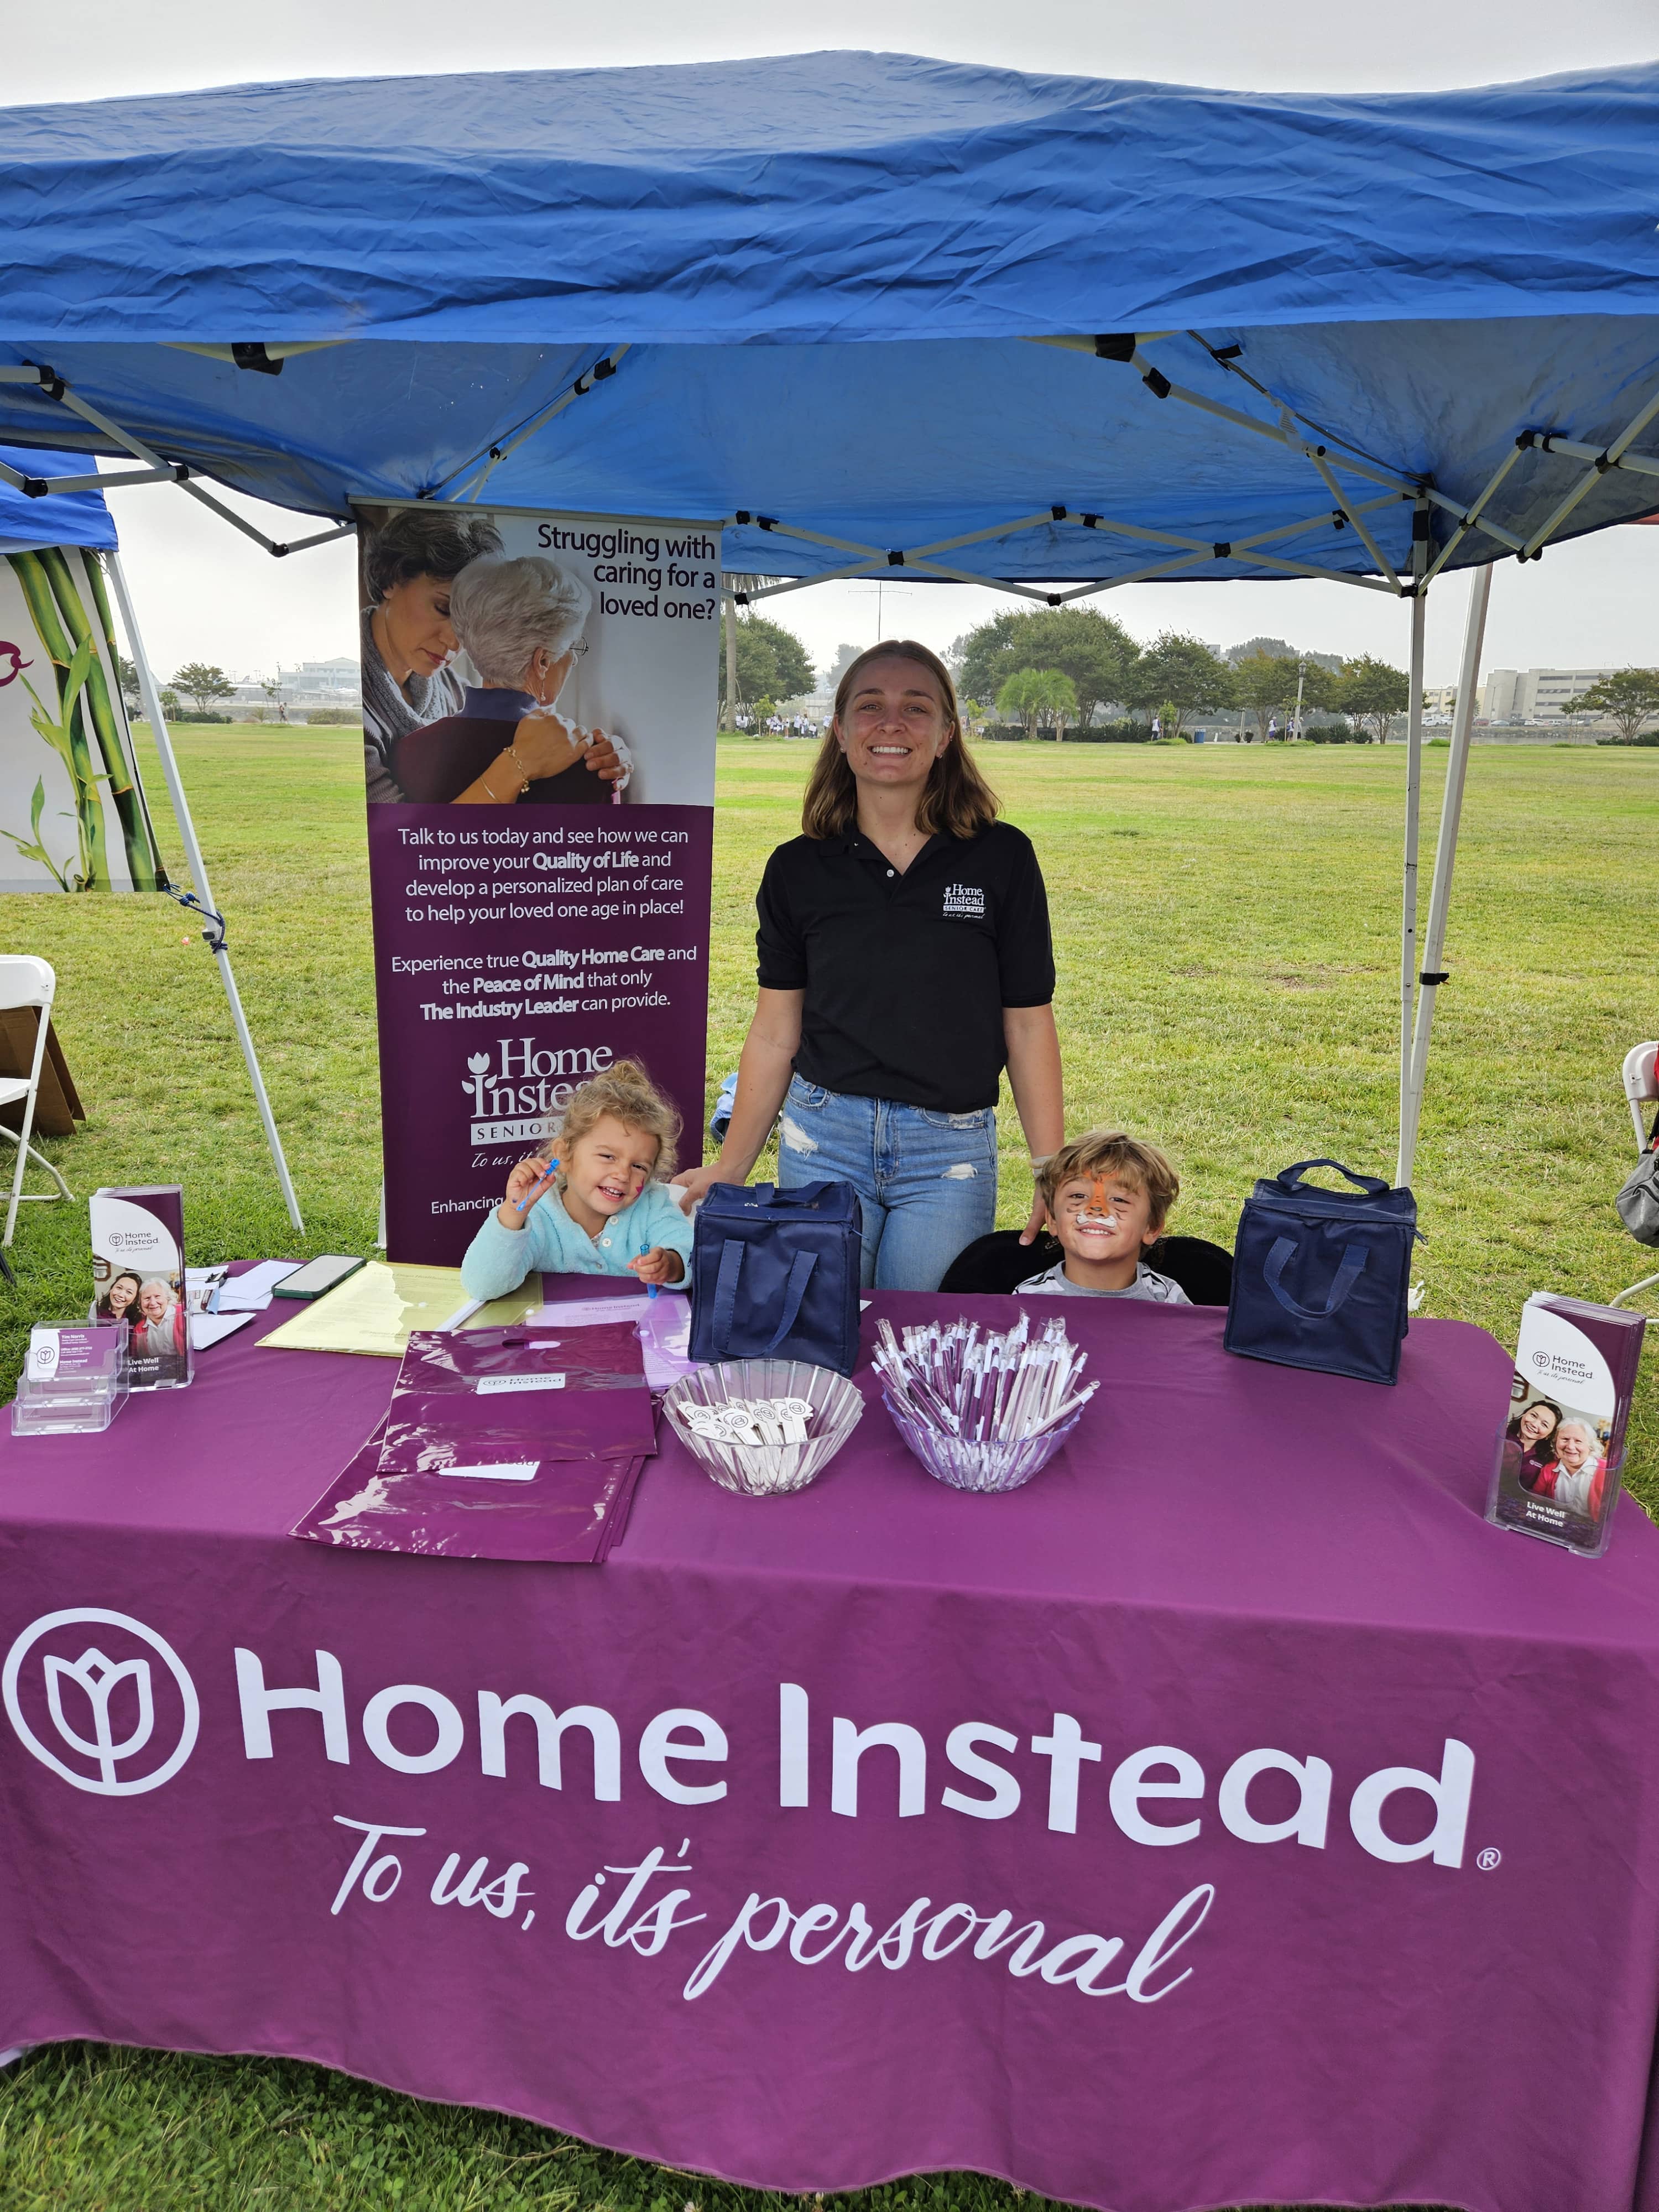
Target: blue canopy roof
{"points": [[78, 518], [818, 280]]}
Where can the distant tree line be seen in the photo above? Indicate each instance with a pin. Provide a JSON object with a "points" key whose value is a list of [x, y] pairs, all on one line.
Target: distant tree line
{"points": [[1061, 667]]}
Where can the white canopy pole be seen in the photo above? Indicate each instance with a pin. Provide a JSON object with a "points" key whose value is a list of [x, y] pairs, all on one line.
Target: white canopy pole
{"points": [[1408, 895], [214, 934], [1445, 856]]}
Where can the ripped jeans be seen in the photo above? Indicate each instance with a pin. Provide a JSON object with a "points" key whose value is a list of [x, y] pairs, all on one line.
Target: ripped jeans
{"points": [[927, 1182]]}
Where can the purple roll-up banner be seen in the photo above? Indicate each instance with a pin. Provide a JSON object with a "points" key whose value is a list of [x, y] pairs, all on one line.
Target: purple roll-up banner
{"points": [[528, 937]]}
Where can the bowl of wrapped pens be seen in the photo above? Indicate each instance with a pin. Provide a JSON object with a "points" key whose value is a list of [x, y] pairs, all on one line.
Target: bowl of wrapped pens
{"points": [[763, 1427], [979, 1409]]}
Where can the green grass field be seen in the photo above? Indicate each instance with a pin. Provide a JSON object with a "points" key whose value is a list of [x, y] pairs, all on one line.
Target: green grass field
{"points": [[1227, 926]]}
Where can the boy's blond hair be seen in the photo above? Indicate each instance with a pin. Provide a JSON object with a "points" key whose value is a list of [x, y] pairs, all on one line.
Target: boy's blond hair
{"points": [[626, 1093], [1111, 1152]]}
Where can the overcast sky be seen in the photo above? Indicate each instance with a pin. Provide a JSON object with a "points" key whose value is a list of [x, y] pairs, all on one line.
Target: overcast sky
{"points": [[204, 592]]}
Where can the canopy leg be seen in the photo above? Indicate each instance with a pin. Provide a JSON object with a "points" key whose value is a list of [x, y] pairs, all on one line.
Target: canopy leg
{"points": [[1408, 894], [198, 876], [1445, 856]]}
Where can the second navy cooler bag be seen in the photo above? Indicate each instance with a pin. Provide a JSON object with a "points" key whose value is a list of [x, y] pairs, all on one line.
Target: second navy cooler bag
{"points": [[774, 1274], [1321, 1276]]}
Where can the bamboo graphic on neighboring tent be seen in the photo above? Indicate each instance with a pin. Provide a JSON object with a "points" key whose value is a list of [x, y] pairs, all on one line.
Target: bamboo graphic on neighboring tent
{"points": [[70, 643]]}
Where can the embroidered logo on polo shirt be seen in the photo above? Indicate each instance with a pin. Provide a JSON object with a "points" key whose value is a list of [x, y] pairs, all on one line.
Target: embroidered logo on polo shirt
{"points": [[965, 903]]}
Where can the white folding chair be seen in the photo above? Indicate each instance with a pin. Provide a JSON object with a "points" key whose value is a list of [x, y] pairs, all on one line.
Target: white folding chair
{"points": [[27, 983], [1641, 1085], [1640, 1088]]}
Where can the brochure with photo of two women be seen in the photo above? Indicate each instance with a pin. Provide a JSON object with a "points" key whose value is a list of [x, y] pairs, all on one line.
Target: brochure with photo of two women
{"points": [[1560, 1456], [138, 1277]]}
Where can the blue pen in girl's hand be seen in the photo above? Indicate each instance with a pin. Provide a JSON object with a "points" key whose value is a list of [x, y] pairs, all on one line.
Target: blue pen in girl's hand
{"points": [[536, 1190]]}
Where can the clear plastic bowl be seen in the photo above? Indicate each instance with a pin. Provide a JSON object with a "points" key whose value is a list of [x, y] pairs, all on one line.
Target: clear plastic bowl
{"points": [[981, 1466], [767, 1470]]}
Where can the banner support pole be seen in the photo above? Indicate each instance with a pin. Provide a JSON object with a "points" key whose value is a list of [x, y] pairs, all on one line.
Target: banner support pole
{"points": [[193, 860]]}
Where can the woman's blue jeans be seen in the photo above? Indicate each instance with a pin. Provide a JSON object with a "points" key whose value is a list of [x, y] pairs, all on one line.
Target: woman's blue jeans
{"points": [[927, 1182]]}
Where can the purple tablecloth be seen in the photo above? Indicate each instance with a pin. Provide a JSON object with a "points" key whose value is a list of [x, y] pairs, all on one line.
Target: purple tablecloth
{"points": [[1227, 1559]]}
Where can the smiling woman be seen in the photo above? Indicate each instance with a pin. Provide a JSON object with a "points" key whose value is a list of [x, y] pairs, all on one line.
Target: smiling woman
{"points": [[409, 564], [905, 960]]}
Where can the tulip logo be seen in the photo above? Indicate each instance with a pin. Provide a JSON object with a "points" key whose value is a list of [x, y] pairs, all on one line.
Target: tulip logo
{"points": [[103, 1709]]}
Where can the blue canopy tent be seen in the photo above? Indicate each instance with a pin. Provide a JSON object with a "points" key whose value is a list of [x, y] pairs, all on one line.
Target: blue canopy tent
{"points": [[871, 312], [31, 521], [79, 518]]}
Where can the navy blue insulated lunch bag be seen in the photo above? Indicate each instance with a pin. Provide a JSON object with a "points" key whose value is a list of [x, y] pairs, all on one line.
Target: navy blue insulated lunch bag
{"points": [[774, 1274], [1321, 1276]]}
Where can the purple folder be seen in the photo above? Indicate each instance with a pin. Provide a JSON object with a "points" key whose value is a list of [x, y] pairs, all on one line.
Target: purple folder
{"points": [[512, 1399], [571, 1511]]}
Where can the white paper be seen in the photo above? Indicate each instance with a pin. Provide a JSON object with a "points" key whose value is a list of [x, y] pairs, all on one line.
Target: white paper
{"points": [[506, 1470], [496, 1386], [250, 1292], [211, 1328], [43, 1354], [588, 1313]]}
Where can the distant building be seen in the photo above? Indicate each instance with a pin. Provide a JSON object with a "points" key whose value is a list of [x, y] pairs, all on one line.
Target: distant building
{"points": [[1439, 698], [322, 683], [1534, 694]]}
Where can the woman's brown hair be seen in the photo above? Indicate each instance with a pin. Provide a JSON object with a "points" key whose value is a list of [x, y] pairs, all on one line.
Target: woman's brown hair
{"points": [[957, 801]]}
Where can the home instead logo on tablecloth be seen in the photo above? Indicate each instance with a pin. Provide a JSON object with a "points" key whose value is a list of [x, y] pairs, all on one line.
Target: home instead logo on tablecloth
{"points": [[75, 1683]]}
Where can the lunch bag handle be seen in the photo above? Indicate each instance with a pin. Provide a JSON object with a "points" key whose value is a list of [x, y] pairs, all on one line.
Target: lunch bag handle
{"points": [[1354, 1257], [1290, 1178], [726, 1294]]}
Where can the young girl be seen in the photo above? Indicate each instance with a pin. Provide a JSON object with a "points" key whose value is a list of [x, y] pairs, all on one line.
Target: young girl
{"points": [[611, 1213]]}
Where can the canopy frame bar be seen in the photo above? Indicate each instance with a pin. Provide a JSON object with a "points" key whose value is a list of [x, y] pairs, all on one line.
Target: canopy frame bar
{"points": [[1191, 551], [508, 442], [156, 470], [214, 933], [1600, 464]]}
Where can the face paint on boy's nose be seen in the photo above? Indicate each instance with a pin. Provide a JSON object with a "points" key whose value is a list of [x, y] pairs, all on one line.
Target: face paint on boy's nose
{"points": [[1097, 1211]]}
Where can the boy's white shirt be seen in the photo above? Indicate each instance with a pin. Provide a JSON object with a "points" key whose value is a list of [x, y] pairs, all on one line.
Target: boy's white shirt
{"points": [[1148, 1285]]}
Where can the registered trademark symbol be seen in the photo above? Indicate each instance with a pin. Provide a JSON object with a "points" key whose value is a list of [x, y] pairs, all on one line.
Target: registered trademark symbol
{"points": [[1488, 1859]]}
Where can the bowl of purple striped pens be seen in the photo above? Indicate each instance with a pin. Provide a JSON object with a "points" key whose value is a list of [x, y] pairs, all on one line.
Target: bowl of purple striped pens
{"points": [[982, 1410]]}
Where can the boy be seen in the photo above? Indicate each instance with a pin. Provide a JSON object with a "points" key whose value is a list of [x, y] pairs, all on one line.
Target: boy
{"points": [[1107, 1196]]}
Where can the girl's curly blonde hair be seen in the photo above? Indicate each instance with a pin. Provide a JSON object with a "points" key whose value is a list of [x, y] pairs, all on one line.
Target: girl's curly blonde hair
{"points": [[627, 1092]]}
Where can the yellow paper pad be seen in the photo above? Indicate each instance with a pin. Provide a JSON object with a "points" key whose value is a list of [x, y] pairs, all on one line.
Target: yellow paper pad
{"points": [[374, 1309]]}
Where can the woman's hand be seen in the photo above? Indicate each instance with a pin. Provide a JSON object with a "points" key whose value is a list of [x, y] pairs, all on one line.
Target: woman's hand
{"points": [[546, 746], [659, 1265], [1033, 1049], [764, 1068], [696, 1182], [513, 1213]]}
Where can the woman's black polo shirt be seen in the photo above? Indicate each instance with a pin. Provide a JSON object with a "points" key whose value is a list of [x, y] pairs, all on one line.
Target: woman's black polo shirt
{"points": [[906, 976]]}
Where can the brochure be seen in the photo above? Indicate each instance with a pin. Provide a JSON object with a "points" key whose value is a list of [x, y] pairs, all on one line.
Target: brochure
{"points": [[74, 1379], [1559, 1457], [138, 1277], [496, 1402]]}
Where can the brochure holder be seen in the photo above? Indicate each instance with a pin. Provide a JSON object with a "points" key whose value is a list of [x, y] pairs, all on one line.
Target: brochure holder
{"points": [[75, 1382]]}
